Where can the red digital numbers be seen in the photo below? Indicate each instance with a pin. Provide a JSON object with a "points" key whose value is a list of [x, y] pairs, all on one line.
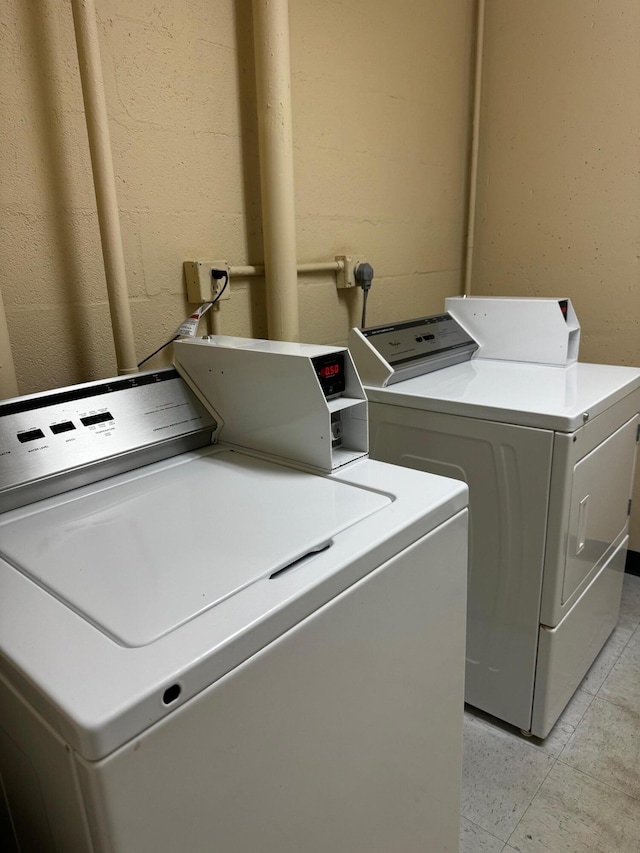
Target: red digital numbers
{"points": [[329, 370]]}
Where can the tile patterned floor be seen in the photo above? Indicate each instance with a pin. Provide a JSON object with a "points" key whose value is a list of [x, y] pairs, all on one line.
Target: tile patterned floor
{"points": [[578, 791]]}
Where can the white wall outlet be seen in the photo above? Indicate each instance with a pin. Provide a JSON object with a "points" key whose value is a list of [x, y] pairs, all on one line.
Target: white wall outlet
{"points": [[201, 286], [346, 276]]}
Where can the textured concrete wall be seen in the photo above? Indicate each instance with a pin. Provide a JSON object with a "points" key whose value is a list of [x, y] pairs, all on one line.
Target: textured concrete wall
{"points": [[559, 179], [381, 124]]}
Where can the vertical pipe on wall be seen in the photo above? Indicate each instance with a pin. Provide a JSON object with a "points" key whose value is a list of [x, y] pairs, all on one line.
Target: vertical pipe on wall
{"points": [[86, 29], [475, 147], [214, 318], [8, 382], [273, 90]]}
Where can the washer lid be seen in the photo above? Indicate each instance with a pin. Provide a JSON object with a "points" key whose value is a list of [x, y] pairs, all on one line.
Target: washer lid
{"points": [[189, 547], [139, 559], [533, 395]]}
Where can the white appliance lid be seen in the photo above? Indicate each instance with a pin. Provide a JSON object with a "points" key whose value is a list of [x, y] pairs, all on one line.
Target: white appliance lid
{"points": [[98, 693], [536, 395], [139, 559]]}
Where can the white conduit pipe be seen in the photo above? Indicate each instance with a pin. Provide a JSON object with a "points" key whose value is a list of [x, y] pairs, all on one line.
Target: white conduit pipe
{"points": [[214, 326], [273, 93], [327, 266], [86, 29], [213, 316], [321, 266], [475, 148], [8, 382]]}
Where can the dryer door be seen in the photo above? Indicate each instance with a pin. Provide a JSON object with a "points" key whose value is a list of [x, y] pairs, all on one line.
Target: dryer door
{"points": [[602, 482]]}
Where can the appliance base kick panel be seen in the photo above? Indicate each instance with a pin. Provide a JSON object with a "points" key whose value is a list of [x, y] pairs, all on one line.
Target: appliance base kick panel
{"points": [[566, 652]]}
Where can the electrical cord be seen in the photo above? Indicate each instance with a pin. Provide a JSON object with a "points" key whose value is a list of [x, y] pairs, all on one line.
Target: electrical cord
{"points": [[155, 352], [365, 296], [216, 275], [363, 275]]}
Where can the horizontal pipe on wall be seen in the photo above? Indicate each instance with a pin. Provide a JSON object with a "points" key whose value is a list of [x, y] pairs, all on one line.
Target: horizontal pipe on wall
{"points": [[258, 270]]}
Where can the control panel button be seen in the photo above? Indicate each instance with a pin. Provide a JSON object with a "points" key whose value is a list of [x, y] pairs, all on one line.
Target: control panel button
{"points": [[90, 420], [63, 427], [30, 435]]}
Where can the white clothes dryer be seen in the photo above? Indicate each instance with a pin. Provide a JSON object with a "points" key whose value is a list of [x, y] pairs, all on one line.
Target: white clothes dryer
{"points": [[204, 649], [548, 452]]}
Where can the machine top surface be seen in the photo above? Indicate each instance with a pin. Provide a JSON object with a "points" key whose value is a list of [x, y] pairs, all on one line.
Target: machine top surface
{"points": [[132, 559], [534, 395], [165, 578], [264, 345]]}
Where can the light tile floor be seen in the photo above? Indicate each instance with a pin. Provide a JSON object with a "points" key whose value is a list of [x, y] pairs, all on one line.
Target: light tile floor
{"points": [[578, 790]]}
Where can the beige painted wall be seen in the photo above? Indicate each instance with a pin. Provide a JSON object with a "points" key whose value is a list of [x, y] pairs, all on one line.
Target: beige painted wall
{"points": [[559, 173], [381, 125]]}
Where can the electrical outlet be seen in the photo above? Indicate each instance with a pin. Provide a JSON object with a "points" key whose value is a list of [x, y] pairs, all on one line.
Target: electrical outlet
{"points": [[346, 276], [201, 286]]}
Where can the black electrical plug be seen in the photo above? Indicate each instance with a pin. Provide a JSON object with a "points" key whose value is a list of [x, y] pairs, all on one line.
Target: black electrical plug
{"points": [[363, 274]]}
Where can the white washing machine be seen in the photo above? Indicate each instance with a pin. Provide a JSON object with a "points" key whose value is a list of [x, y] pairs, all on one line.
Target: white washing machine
{"points": [[548, 451], [202, 649]]}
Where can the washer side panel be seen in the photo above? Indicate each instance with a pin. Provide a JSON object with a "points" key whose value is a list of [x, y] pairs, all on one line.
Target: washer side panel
{"points": [[344, 734], [38, 776]]}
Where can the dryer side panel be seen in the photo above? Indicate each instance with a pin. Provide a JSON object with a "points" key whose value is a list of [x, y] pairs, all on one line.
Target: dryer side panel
{"points": [[507, 469]]}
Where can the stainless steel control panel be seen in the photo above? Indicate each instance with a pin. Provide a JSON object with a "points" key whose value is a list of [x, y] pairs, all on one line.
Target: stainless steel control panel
{"points": [[58, 440], [419, 346], [403, 343]]}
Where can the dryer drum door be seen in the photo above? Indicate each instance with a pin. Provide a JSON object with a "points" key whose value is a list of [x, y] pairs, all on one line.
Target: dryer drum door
{"points": [[601, 489]]}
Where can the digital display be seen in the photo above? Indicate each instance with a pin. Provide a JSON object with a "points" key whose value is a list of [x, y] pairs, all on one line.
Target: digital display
{"points": [[564, 307], [330, 371]]}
